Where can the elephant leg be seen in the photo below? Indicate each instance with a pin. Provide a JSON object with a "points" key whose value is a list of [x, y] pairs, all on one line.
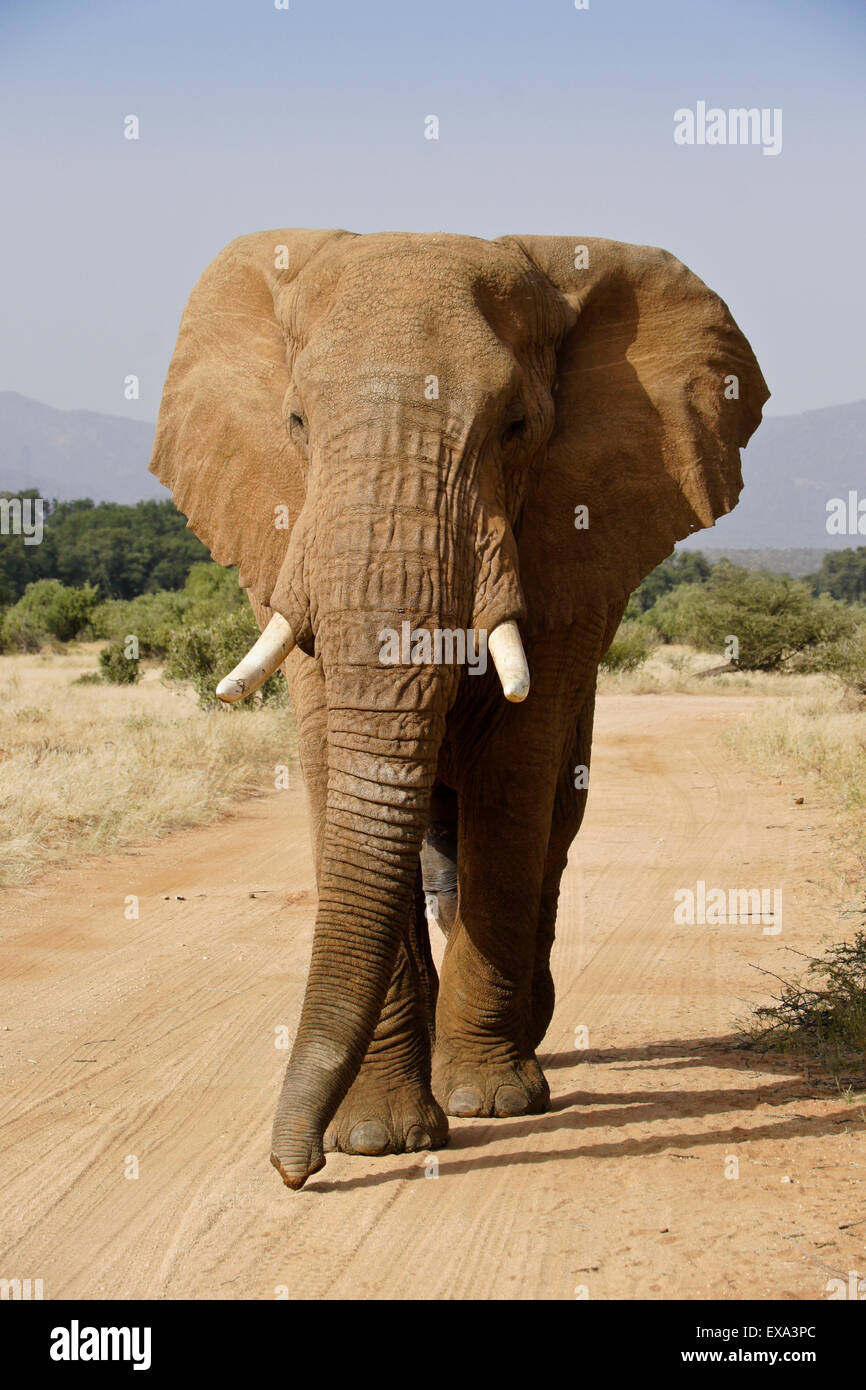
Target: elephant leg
{"points": [[568, 811], [390, 1107], [494, 991], [483, 1063]]}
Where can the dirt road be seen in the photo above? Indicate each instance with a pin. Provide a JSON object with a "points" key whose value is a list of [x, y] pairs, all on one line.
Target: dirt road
{"points": [[139, 1068]]}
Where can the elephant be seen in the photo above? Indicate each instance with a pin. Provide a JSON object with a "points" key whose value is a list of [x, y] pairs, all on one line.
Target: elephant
{"points": [[494, 440]]}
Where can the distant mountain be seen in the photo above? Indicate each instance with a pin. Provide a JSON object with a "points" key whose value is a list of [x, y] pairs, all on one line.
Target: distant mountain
{"points": [[74, 453], [792, 467]]}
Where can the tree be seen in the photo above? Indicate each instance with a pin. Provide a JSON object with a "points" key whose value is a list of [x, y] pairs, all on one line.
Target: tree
{"points": [[774, 620], [686, 567], [123, 550], [48, 609], [843, 575]]}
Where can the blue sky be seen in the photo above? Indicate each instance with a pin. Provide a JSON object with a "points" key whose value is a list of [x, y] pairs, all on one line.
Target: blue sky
{"points": [[552, 120]]}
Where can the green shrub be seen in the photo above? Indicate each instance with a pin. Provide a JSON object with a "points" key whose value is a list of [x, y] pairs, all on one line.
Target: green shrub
{"points": [[203, 653], [20, 633], [155, 618], [844, 658], [630, 647], [686, 567], [152, 618], [671, 615], [212, 589], [825, 1018], [48, 609], [116, 666], [776, 620]]}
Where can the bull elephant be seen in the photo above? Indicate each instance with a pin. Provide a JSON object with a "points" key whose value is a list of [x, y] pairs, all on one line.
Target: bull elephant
{"points": [[492, 440]]}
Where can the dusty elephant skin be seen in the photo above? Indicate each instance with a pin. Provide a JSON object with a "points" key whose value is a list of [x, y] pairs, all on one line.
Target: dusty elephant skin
{"points": [[498, 436]]}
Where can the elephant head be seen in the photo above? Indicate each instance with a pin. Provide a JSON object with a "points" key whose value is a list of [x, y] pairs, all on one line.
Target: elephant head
{"points": [[451, 432]]}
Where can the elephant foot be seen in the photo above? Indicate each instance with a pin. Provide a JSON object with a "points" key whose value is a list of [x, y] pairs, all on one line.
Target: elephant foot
{"points": [[378, 1119], [466, 1088], [295, 1165]]}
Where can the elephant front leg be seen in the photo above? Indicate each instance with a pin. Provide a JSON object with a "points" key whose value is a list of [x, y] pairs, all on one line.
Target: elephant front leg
{"points": [[484, 1062], [390, 1107], [568, 812], [496, 994]]}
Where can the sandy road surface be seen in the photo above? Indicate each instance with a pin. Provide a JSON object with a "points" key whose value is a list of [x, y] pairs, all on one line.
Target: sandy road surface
{"points": [[155, 1040]]}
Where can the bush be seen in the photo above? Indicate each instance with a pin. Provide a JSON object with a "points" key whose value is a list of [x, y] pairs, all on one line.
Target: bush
{"points": [[155, 618], [48, 609], [20, 634], [205, 652], [686, 567], [844, 658], [152, 618], [630, 647], [825, 1019], [671, 615], [776, 620], [116, 667], [214, 589]]}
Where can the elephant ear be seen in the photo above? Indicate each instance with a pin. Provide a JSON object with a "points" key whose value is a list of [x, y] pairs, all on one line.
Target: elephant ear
{"points": [[222, 444], [657, 391]]}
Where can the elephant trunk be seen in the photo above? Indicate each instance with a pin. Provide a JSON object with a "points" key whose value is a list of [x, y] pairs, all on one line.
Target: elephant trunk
{"points": [[386, 558]]}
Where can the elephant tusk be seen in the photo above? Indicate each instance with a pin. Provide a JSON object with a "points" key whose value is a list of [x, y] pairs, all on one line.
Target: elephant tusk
{"points": [[509, 658], [260, 662]]}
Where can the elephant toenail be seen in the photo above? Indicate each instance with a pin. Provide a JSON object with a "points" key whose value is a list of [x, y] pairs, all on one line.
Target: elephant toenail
{"points": [[510, 1100], [465, 1100], [418, 1139], [369, 1137]]}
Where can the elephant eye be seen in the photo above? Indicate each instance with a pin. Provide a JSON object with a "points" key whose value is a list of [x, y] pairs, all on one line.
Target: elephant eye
{"points": [[515, 422], [298, 427]]}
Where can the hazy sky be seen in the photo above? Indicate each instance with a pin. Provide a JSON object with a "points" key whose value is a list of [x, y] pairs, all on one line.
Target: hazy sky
{"points": [[552, 120]]}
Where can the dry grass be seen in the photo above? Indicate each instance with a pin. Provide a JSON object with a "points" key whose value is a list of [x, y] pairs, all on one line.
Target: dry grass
{"points": [[674, 670], [805, 724], [91, 768], [819, 731]]}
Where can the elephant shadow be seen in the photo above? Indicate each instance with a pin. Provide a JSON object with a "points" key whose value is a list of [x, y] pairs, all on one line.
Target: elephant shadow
{"points": [[585, 1110]]}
